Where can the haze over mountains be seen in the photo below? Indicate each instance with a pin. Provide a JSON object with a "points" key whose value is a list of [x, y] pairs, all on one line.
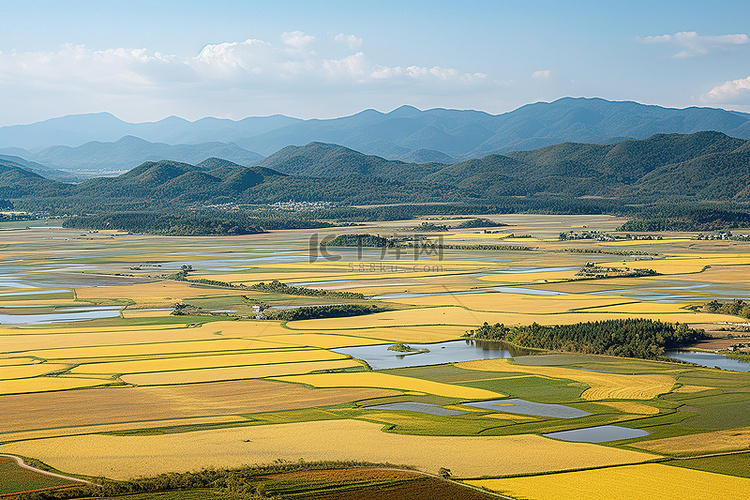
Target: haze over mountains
{"points": [[102, 143]]}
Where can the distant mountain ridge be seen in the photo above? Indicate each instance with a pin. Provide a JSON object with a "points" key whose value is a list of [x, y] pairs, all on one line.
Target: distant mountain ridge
{"points": [[698, 167], [405, 133], [103, 158]]}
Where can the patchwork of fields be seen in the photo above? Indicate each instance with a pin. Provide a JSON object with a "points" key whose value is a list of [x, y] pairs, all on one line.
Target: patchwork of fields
{"points": [[144, 391]]}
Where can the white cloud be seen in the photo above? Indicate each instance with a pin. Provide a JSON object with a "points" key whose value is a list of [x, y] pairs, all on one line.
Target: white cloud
{"points": [[693, 44], [542, 74], [296, 39], [219, 79], [350, 40], [731, 92]]}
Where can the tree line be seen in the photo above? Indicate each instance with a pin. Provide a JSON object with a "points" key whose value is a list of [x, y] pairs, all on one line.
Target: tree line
{"points": [[632, 337]]}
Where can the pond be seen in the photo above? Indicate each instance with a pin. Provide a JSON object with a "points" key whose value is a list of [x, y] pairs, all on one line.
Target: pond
{"points": [[63, 315], [711, 360], [380, 358], [428, 408], [523, 407], [598, 434]]}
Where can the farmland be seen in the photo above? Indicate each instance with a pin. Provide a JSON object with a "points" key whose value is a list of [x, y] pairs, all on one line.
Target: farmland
{"points": [[86, 323]]}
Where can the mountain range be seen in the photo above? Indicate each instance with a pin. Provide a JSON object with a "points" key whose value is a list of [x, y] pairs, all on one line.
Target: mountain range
{"points": [[698, 166], [102, 143], [112, 158]]}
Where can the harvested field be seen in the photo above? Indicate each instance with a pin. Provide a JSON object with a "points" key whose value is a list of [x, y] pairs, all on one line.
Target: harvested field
{"points": [[602, 385], [236, 373], [388, 381], [707, 442], [632, 482], [122, 457], [110, 405]]}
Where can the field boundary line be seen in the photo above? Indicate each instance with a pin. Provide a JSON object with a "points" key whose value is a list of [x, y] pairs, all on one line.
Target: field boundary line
{"points": [[26, 466]]}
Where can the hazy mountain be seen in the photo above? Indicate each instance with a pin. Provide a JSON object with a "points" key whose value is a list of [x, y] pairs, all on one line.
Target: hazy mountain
{"points": [[43, 170], [406, 133], [102, 158], [76, 130]]}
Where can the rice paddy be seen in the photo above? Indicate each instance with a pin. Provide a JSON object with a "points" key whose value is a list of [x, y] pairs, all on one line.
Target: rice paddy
{"points": [[602, 385], [220, 388], [388, 381], [123, 457], [706, 442], [631, 482]]}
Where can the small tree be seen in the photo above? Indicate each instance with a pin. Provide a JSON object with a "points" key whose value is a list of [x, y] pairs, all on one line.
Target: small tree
{"points": [[445, 473]]}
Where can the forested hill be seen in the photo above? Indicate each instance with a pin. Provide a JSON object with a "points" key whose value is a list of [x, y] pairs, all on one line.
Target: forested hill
{"points": [[698, 167], [705, 165]]}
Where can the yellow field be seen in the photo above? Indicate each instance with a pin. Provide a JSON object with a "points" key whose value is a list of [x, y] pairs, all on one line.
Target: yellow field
{"points": [[685, 263], [162, 348], [631, 407], [472, 319], [16, 361], [215, 361], [235, 373], [644, 308], [627, 243], [122, 426], [630, 482], [602, 385], [45, 384], [145, 313], [67, 338], [122, 457], [529, 277], [320, 340], [519, 303], [388, 381], [718, 274], [45, 330], [708, 442], [26, 371], [692, 388], [161, 293]]}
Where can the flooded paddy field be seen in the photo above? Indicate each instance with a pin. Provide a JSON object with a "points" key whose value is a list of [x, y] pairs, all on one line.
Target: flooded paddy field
{"points": [[86, 322]]}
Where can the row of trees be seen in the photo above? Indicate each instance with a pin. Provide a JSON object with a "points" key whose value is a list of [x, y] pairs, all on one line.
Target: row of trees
{"points": [[277, 286], [633, 338], [246, 483], [315, 312], [737, 307]]}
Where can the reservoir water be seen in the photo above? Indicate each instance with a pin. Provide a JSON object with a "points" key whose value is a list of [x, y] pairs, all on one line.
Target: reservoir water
{"points": [[454, 351], [711, 360]]}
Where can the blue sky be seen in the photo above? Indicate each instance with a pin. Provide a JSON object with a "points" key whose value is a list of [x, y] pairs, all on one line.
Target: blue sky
{"points": [[143, 61]]}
